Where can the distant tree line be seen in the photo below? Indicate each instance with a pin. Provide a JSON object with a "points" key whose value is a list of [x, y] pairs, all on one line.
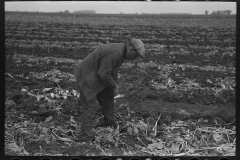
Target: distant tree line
{"points": [[79, 12], [159, 13], [221, 12], [84, 12]]}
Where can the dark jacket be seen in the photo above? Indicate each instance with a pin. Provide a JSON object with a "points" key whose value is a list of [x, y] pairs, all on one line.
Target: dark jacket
{"points": [[99, 69]]}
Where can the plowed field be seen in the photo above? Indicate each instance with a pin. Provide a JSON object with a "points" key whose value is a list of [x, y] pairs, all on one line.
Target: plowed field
{"points": [[180, 100]]}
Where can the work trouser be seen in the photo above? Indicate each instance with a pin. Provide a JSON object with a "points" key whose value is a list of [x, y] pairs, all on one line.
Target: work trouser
{"points": [[105, 99]]}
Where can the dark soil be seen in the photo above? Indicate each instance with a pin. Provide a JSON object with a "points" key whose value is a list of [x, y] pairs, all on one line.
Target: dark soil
{"points": [[76, 41]]}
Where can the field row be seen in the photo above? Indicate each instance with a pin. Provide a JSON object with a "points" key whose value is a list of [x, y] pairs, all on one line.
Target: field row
{"points": [[201, 55], [207, 76], [22, 58], [201, 21], [156, 48], [206, 84], [209, 45], [171, 36], [45, 29]]}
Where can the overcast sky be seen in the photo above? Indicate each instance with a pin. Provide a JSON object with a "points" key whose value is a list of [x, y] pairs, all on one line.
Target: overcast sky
{"points": [[126, 7]]}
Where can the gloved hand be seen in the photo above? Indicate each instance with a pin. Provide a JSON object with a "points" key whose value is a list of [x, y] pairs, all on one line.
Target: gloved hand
{"points": [[116, 91]]}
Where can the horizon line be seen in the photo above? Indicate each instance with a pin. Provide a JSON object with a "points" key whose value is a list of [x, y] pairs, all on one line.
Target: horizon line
{"points": [[121, 13]]}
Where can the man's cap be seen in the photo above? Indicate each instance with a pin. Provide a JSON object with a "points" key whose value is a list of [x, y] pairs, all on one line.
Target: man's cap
{"points": [[139, 46]]}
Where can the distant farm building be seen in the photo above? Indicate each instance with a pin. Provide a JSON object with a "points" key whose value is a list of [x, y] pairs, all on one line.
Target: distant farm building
{"points": [[85, 12]]}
